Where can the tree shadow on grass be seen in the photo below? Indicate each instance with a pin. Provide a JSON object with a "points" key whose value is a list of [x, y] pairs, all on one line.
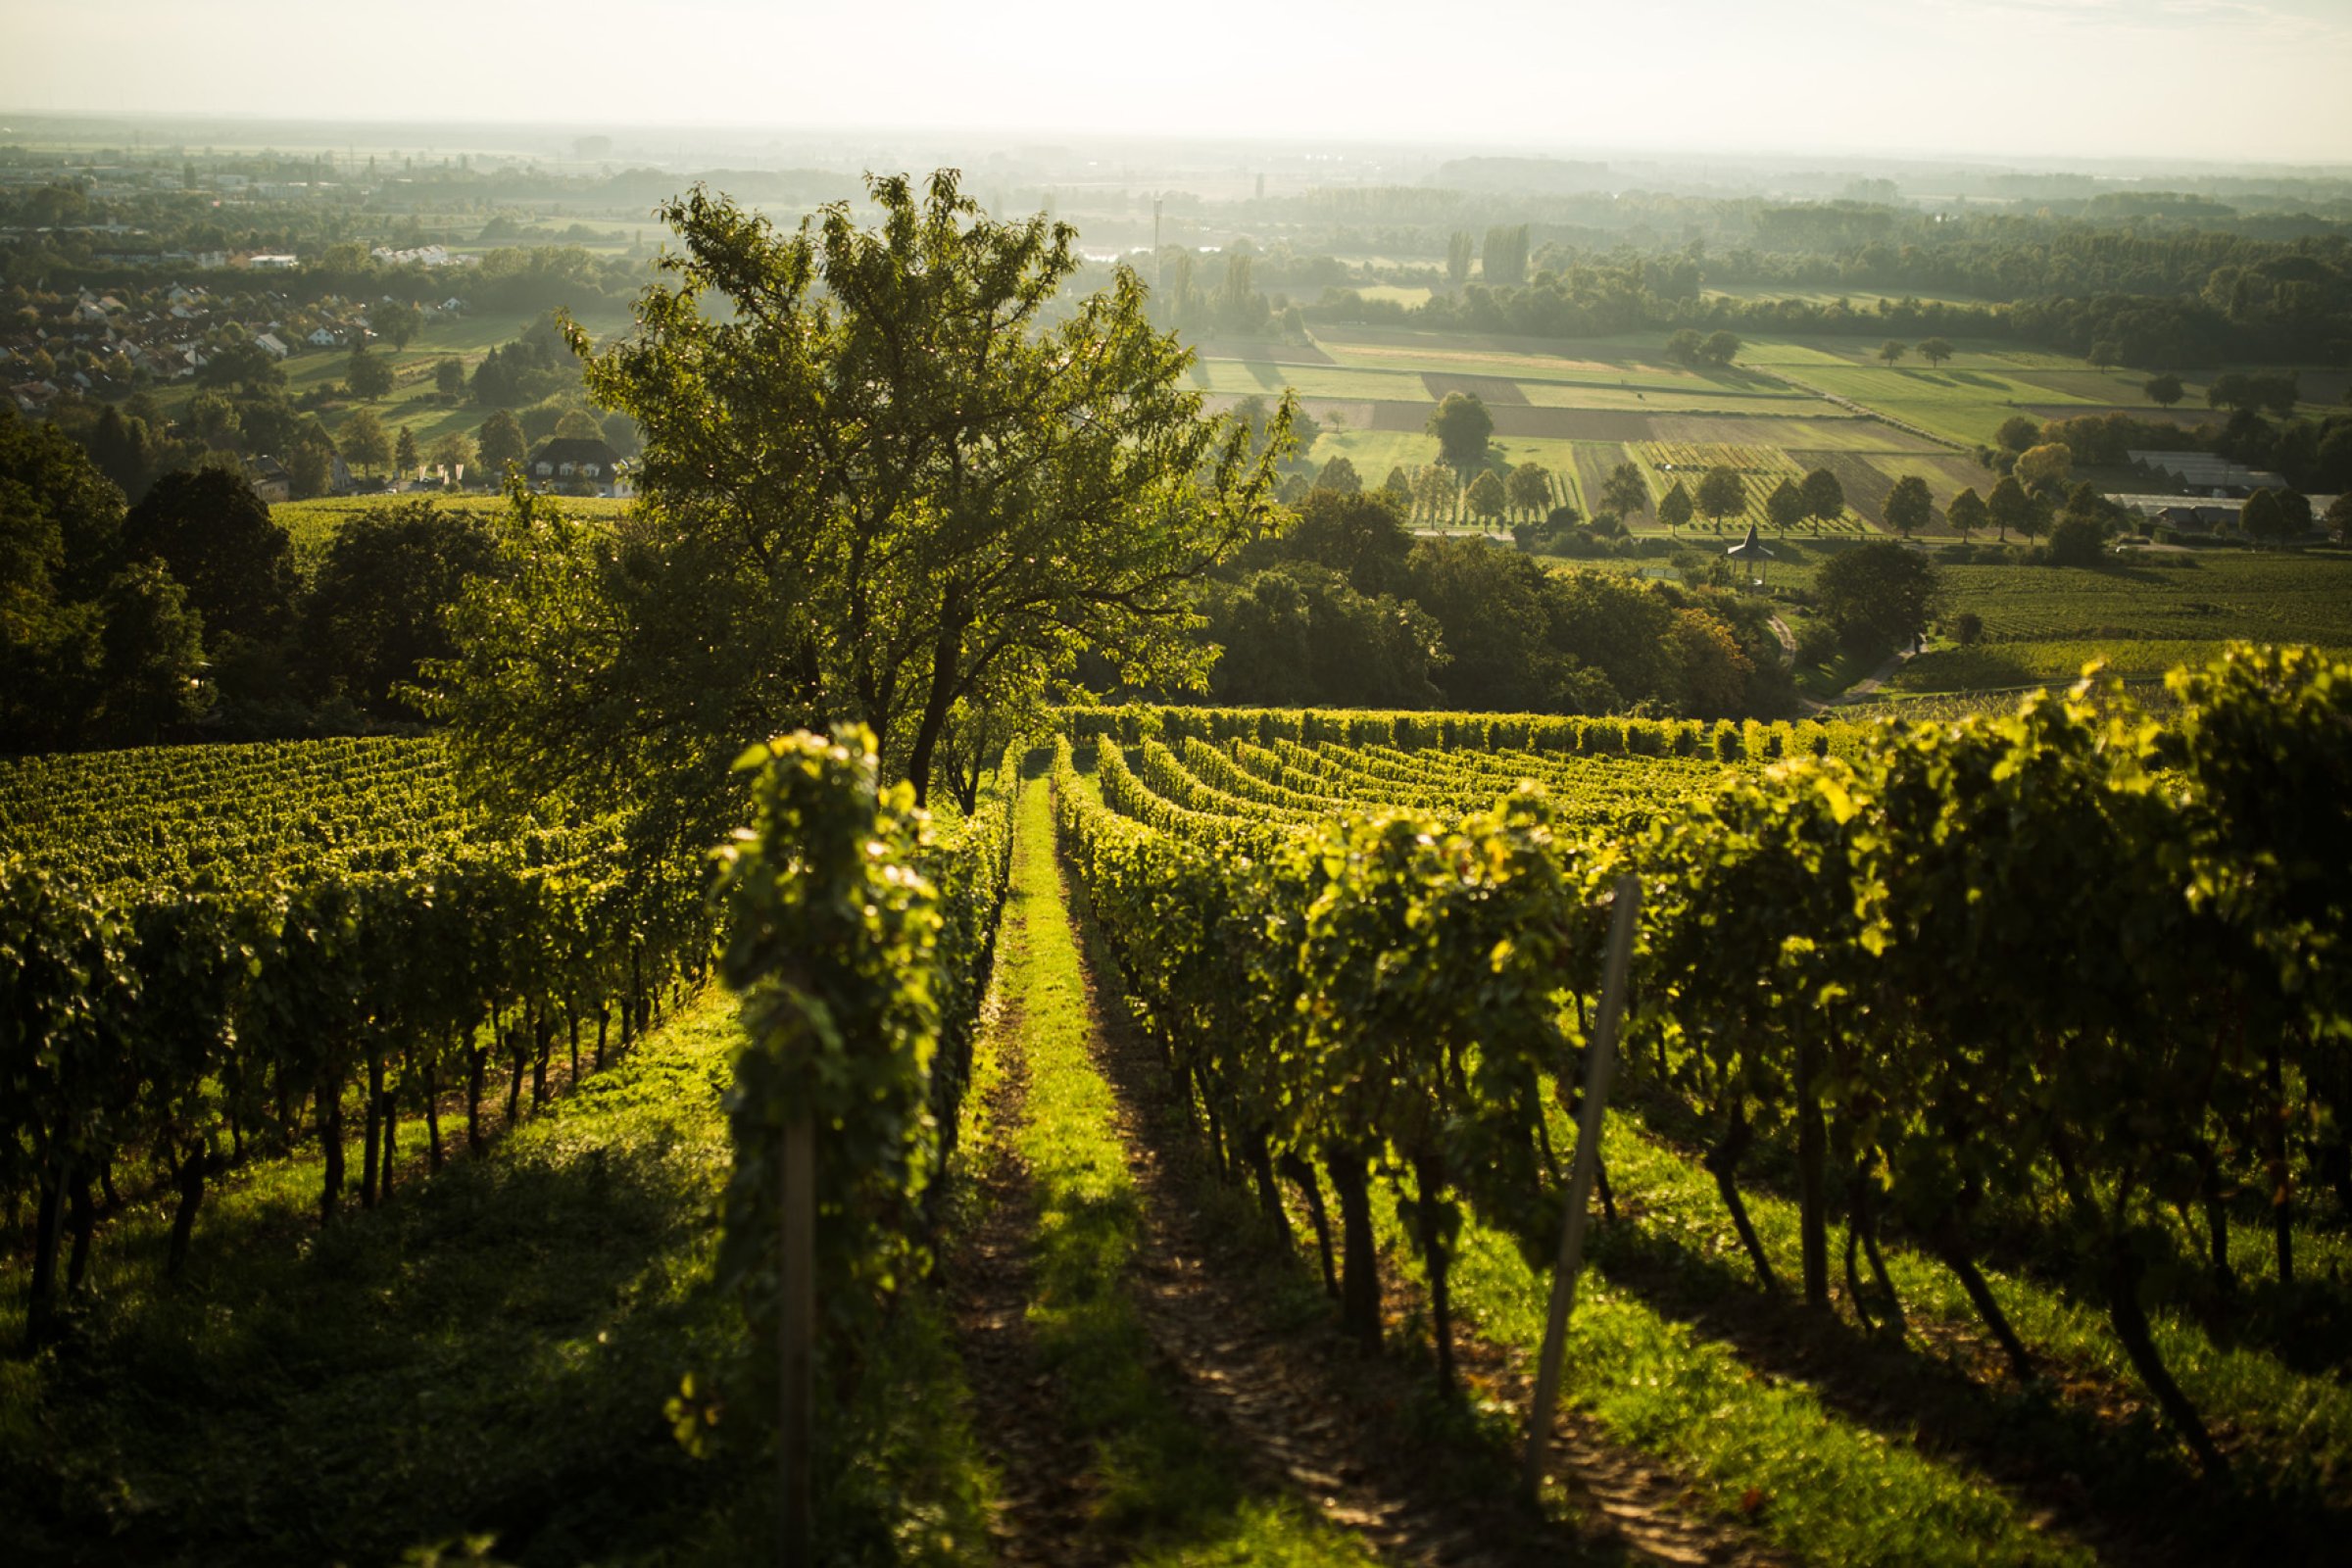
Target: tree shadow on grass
{"points": [[2126, 1485], [490, 1354]]}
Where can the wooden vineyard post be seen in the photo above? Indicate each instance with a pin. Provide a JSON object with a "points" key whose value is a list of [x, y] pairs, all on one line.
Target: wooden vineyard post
{"points": [[796, 1364], [1599, 1058]]}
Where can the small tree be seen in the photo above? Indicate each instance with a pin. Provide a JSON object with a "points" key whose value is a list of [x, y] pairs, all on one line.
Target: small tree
{"points": [[1935, 350], [501, 442], [1721, 495], [1435, 491], [1530, 488], [1625, 492], [2016, 432], [1967, 513], [1891, 350], [1458, 258], [2045, 464], [2077, 540], [1674, 508], [1909, 505], [1720, 348], [1824, 497], [404, 450], [2164, 390], [2262, 517], [2104, 353], [364, 441], [1339, 474], [449, 379], [2009, 506], [1488, 500], [1686, 347], [1397, 485], [1785, 505], [369, 376], [452, 451]]}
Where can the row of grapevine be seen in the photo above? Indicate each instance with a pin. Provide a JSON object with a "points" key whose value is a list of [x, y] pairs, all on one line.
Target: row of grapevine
{"points": [[2066, 962], [186, 1023], [1415, 730], [859, 934]]}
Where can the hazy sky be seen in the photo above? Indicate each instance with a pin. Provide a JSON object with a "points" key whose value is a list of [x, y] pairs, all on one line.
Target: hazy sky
{"points": [[2229, 79]]}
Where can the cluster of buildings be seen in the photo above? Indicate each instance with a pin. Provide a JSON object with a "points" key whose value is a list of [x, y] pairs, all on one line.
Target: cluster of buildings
{"points": [[107, 344]]}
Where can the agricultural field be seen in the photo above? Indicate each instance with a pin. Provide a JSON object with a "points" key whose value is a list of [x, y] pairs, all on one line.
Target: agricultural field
{"points": [[312, 526], [1582, 407], [2042, 623]]}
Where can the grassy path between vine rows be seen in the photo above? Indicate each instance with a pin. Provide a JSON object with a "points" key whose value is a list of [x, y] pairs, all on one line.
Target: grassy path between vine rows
{"points": [[1101, 1459], [1239, 1317]]}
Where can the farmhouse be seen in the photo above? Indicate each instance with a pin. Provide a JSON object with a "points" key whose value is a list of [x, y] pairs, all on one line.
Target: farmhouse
{"points": [[577, 465]]}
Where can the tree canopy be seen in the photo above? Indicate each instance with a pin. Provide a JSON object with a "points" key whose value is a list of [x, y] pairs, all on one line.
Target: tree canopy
{"points": [[885, 473], [1461, 425], [1879, 593]]}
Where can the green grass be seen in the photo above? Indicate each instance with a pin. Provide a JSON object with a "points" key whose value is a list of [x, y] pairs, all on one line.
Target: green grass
{"points": [[1824, 1489], [1165, 1484], [312, 526], [2296, 1429]]}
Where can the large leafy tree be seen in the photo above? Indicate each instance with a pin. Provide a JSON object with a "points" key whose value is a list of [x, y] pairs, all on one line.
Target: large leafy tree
{"points": [[1462, 425], [1909, 507], [1879, 594], [884, 470], [233, 561]]}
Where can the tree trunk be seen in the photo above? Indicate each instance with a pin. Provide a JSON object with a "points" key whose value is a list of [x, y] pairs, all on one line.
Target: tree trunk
{"points": [[2217, 1218], [571, 1017], [2283, 1194], [370, 1153], [604, 1021], [330, 1140], [519, 1062], [2130, 1322], [40, 1306], [947, 665], [1723, 1160], [1813, 1223], [543, 1044], [83, 1216], [1269, 1196], [1311, 1187], [384, 1170], [1429, 1176], [1359, 1283], [477, 1064], [1949, 1246], [189, 1177], [432, 1116]]}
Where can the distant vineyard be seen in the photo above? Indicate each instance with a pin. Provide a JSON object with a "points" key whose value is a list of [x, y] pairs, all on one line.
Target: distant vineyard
{"points": [[1760, 470]]}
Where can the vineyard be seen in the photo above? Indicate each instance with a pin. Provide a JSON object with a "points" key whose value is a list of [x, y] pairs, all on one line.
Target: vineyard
{"points": [[1974, 1178], [1951, 998], [1760, 471]]}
